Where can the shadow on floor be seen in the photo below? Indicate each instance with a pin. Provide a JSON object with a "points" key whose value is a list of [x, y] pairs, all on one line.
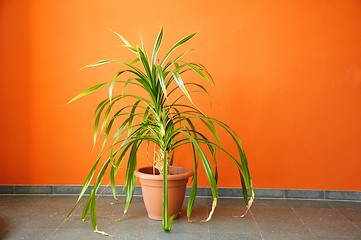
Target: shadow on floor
{"points": [[4, 228]]}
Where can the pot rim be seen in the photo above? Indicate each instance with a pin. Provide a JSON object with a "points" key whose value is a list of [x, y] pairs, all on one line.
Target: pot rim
{"points": [[186, 174]]}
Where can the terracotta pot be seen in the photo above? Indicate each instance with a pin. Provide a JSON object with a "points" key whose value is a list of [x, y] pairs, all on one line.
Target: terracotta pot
{"points": [[152, 186]]}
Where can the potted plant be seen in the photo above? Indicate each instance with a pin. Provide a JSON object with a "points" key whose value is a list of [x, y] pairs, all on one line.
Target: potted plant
{"points": [[162, 116]]}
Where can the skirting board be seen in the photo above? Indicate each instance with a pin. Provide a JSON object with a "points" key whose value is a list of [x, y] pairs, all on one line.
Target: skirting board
{"points": [[205, 192]]}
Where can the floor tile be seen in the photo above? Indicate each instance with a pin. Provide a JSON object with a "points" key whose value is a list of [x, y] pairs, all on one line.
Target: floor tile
{"points": [[329, 228], [345, 204], [274, 213], [232, 235], [25, 234], [319, 214], [337, 238], [43, 217], [282, 227], [288, 237], [353, 215]]}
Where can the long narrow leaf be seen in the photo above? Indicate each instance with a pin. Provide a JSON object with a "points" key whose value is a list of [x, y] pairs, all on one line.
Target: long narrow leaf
{"points": [[161, 80], [175, 46], [157, 115], [130, 179], [193, 193], [206, 165], [145, 62], [112, 173], [86, 208], [180, 83], [157, 45], [111, 87], [121, 37], [86, 92], [85, 185], [98, 63], [93, 212]]}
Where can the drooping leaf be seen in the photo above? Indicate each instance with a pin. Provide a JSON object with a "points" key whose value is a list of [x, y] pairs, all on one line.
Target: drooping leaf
{"points": [[130, 179], [180, 83], [193, 193], [93, 212], [157, 115], [111, 87]]}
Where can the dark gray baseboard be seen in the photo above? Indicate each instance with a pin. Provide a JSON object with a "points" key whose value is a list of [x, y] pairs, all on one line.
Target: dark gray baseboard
{"points": [[205, 192]]}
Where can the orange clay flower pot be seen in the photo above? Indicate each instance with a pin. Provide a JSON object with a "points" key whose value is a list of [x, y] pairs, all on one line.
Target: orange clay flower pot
{"points": [[152, 185]]}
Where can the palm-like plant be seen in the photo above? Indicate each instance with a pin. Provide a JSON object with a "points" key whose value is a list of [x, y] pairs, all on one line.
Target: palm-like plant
{"points": [[160, 117]]}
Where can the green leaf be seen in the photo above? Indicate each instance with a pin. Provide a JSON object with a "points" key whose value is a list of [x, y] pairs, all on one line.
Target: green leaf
{"points": [[206, 165], [200, 70], [98, 63], [93, 212], [86, 208], [173, 62], [193, 193], [244, 188], [121, 129], [85, 185], [96, 124], [145, 62], [91, 199], [175, 46], [112, 173], [109, 127], [157, 115], [86, 92], [105, 117], [111, 87], [157, 45], [180, 83], [121, 37], [132, 114], [171, 159], [130, 179], [161, 79]]}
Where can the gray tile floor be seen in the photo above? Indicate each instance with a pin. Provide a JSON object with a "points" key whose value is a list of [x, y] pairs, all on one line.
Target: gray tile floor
{"points": [[42, 217]]}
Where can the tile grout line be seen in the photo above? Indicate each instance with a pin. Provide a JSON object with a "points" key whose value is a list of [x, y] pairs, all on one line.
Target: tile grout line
{"points": [[353, 224], [58, 227], [55, 230], [259, 230], [303, 223]]}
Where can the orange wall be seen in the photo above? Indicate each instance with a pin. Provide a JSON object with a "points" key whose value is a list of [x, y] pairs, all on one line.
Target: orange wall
{"points": [[288, 79]]}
